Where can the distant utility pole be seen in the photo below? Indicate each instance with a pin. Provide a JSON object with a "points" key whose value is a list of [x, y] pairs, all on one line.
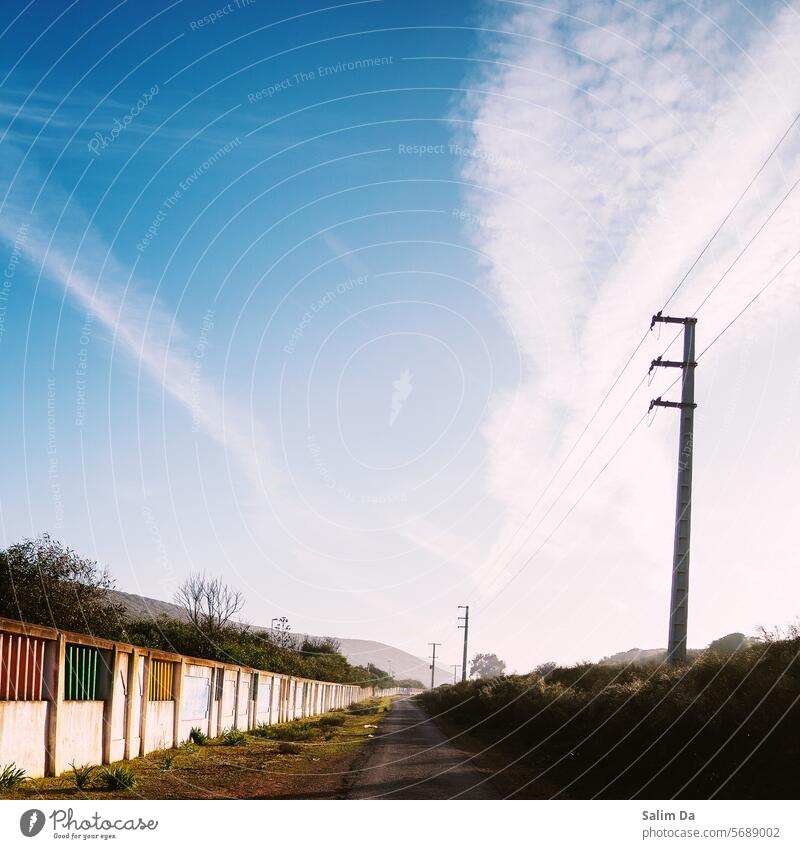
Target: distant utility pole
{"points": [[679, 601], [455, 669], [465, 626], [433, 664]]}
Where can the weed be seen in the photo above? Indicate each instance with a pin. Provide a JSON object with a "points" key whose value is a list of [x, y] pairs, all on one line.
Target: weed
{"points": [[234, 737], [119, 778], [331, 721], [81, 775], [197, 737], [168, 760], [11, 776]]}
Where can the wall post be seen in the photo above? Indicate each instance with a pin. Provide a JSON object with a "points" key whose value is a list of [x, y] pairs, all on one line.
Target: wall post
{"points": [[108, 704], [145, 703], [130, 696], [179, 670], [54, 693]]}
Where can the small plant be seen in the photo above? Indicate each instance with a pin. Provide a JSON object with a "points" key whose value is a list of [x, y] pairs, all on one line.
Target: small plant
{"points": [[234, 737], [81, 775], [168, 760], [263, 730], [331, 721], [119, 778], [188, 746], [197, 737], [10, 777], [285, 748]]}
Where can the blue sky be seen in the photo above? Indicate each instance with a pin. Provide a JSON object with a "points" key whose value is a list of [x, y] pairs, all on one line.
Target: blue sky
{"points": [[318, 298]]}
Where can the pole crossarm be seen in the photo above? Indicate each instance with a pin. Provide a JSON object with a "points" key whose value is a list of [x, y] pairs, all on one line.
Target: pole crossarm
{"points": [[671, 364], [668, 319], [680, 405]]}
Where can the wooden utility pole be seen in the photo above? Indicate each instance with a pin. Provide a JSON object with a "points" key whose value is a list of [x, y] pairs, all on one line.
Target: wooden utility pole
{"points": [[433, 664], [679, 600], [465, 626]]}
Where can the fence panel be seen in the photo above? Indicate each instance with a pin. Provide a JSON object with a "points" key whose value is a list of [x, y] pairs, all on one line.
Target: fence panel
{"points": [[161, 681], [21, 667], [81, 673]]}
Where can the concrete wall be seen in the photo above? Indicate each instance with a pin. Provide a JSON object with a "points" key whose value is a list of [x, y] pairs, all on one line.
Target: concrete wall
{"points": [[160, 726], [80, 737], [23, 735], [45, 737], [196, 700]]}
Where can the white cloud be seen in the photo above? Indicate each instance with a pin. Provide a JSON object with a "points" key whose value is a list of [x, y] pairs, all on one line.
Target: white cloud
{"points": [[615, 148]]}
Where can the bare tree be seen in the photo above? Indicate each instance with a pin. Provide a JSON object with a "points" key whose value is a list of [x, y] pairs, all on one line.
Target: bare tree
{"points": [[209, 603]]}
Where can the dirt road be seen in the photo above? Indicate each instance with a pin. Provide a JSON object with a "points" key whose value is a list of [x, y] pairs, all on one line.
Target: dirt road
{"points": [[411, 759]]}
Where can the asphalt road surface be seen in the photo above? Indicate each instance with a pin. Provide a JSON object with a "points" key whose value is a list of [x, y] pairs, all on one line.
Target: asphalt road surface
{"points": [[411, 759]]}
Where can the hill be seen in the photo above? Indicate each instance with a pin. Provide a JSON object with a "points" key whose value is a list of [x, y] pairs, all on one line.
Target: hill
{"points": [[400, 663]]}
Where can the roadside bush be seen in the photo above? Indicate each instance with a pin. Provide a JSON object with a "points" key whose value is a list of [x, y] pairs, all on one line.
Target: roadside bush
{"points": [[649, 728]]}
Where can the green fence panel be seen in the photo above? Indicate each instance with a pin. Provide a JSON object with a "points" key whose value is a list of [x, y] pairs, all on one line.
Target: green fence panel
{"points": [[80, 674]]}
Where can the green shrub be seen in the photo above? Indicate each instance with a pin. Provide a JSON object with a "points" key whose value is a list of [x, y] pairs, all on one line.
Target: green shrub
{"points": [[197, 737], [292, 732], [119, 778], [11, 776], [234, 737], [81, 775], [331, 721]]}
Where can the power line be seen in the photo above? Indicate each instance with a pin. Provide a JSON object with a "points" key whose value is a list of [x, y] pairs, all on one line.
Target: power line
{"points": [[750, 303], [578, 470], [638, 424], [747, 245], [567, 514], [733, 209]]}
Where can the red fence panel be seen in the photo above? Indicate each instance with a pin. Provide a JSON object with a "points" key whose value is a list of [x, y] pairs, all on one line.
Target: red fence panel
{"points": [[21, 667]]}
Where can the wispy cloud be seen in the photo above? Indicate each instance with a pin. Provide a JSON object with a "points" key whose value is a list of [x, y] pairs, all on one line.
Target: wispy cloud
{"points": [[64, 248], [610, 140]]}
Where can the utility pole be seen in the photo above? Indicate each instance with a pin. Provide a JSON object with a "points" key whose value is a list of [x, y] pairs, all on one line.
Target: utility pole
{"points": [[465, 626], [455, 669], [679, 599], [433, 664]]}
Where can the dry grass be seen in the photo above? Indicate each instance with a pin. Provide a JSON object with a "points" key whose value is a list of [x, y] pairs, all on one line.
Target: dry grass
{"points": [[723, 724]]}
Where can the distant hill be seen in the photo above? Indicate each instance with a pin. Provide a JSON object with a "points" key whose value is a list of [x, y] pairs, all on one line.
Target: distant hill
{"points": [[358, 652]]}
